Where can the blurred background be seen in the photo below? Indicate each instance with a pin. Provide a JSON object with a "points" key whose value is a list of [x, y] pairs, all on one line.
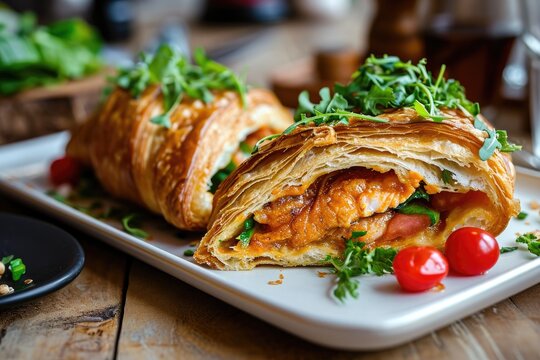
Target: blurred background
{"points": [[295, 45]]}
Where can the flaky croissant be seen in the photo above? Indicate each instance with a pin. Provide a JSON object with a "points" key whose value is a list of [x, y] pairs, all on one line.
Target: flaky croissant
{"points": [[169, 171], [304, 193]]}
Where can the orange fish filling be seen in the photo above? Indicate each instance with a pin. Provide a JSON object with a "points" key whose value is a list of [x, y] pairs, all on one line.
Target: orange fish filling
{"points": [[349, 200]]}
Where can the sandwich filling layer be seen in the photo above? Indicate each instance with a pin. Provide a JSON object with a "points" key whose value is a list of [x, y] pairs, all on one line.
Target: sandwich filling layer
{"points": [[356, 199]]}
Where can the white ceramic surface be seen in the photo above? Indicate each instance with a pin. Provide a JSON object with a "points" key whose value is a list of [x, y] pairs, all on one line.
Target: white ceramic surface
{"points": [[382, 316]]}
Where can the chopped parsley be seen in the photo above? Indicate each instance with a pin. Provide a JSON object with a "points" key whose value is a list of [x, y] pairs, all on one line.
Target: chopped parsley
{"points": [[189, 252], [249, 228], [177, 78], [522, 215], [356, 261], [448, 177]]}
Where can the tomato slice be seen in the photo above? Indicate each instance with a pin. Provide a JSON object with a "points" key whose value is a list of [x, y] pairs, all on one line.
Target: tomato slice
{"points": [[420, 268], [471, 251], [65, 170]]}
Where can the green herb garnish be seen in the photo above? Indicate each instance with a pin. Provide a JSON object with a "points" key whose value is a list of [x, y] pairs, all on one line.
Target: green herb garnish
{"points": [[418, 194], [220, 176], [532, 242], [496, 139], [33, 55], [388, 82], [189, 252], [356, 261], [507, 249], [129, 224], [448, 177], [245, 148], [522, 215], [177, 78], [18, 269], [419, 209], [249, 228]]}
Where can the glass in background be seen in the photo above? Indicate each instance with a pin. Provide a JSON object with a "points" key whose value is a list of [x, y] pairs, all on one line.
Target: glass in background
{"points": [[474, 39], [531, 39]]}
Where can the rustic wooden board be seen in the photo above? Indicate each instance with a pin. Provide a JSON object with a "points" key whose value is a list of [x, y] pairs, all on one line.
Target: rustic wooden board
{"points": [[164, 317], [79, 321]]}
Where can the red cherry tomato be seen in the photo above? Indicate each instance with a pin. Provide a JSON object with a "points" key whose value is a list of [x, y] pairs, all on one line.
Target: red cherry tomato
{"points": [[420, 268], [471, 251], [65, 170]]}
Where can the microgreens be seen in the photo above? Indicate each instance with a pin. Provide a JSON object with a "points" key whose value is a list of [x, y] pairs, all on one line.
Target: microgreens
{"points": [[532, 241], [128, 223], [177, 78], [356, 261]]}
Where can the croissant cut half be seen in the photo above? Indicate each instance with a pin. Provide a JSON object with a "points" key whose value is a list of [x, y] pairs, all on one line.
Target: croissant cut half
{"points": [[169, 170], [309, 190]]}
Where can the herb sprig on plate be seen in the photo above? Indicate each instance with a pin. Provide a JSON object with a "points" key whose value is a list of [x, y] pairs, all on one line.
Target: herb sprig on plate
{"points": [[356, 261], [178, 77]]}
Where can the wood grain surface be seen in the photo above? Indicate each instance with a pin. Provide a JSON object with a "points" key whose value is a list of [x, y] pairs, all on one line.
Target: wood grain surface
{"points": [[122, 308], [79, 321]]}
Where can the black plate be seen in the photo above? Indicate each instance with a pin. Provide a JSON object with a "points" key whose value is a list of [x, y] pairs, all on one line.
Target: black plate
{"points": [[53, 258]]}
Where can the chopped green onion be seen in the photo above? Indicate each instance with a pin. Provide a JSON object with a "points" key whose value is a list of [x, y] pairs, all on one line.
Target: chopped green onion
{"points": [[189, 252], [17, 268]]}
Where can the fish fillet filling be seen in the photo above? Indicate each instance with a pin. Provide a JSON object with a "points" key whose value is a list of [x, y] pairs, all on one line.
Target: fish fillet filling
{"points": [[336, 204]]}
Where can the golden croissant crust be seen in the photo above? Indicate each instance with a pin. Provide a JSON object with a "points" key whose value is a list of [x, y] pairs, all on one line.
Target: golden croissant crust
{"points": [[307, 191], [168, 170]]}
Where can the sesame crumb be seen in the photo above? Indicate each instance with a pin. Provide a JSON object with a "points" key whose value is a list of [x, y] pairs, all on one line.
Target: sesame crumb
{"points": [[28, 281], [527, 223]]}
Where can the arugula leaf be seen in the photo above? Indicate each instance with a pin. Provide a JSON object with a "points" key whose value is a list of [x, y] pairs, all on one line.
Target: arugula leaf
{"points": [[507, 249], [249, 228], [356, 261], [129, 227], [418, 209], [502, 137], [532, 241]]}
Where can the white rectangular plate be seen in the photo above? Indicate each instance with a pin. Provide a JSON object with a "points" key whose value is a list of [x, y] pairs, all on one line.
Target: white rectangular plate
{"points": [[382, 316]]}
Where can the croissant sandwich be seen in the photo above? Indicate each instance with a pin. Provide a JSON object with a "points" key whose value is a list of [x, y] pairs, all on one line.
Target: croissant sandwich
{"points": [[170, 132], [395, 155]]}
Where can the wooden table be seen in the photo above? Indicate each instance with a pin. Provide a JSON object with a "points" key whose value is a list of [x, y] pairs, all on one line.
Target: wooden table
{"points": [[121, 308]]}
